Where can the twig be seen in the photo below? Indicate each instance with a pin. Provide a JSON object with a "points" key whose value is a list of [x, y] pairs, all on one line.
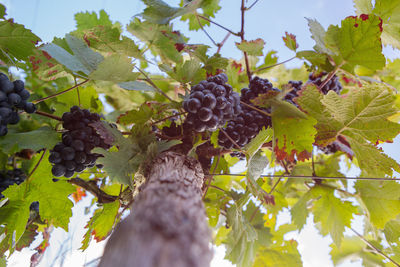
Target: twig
{"points": [[166, 118], [202, 28], [91, 186], [59, 93], [275, 185], [310, 176], [331, 74], [254, 213], [257, 109], [154, 85], [255, 2], [218, 188], [223, 42], [51, 116], [246, 59], [377, 250], [219, 25], [274, 65]]}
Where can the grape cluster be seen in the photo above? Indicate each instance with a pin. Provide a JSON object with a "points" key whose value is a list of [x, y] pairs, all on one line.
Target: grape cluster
{"points": [[296, 86], [332, 85], [249, 122], [13, 96], [10, 177], [211, 103], [73, 154]]}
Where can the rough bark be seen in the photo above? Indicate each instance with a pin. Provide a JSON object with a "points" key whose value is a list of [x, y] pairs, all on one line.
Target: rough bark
{"points": [[167, 225]]}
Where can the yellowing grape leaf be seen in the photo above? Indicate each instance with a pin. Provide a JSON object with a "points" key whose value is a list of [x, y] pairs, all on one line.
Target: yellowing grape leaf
{"points": [[54, 205], [252, 48], [290, 41], [381, 199], [279, 256], [332, 213], [101, 223], [356, 42], [361, 117]]}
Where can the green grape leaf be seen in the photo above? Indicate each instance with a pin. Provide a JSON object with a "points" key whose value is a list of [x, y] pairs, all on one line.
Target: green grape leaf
{"points": [[255, 167], [353, 248], [136, 86], [101, 223], [159, 12], [189, 71], [2, 11], [356, 42], [86, 20], [252, 48], [332, 213], [16, 42], [83, 60], [299, 211], [363, 6], [160, 38], [264, 136], [318, 34], [54, 205], [109, 39], [392, 231], [279, 256], [115, 68], [361, 117], [382, 200], [290, 139], [209, 7], [389, 13], [34, 140], [28, 237], [290, 41]]}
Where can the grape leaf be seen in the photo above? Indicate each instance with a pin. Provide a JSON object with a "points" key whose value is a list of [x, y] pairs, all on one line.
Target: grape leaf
{"points": [[290, 139], [101, 223], [382, 200], [332, 213], [318, 34], [159, 12], [34, 140], [290, 41], [136, 86], [2, 11], [209, 7], [392, 231], [299, 211], [54, 205], [115, 68], [353, 248], [83, 58], [252, 48], [86, 20], [361, 117], [363, 6], [109, 39], [356, 42], [28, 237], [279, 256], [46, 67], [264, 136], [255, 167], [16, 42]]}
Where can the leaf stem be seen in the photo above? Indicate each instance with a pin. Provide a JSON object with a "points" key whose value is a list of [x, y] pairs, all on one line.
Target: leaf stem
{"points": [[59, 93], [274, 65], [92, 188], [166, 118], [210, 177], [202, 28], [219, 25], [154, 85], [37, 164], [221, 44], [377, 250], [255, 2], [230, 139], [257, 109], [51, 116]]}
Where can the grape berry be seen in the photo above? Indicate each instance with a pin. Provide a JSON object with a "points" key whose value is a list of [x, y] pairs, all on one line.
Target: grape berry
{"points": [[73, 154], [13, 96]]}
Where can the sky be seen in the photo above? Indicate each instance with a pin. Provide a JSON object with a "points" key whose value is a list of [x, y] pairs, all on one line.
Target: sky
{"points": [[268, 20]]}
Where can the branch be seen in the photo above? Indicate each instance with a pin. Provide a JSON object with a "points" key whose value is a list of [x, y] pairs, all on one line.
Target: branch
{"points": [[246, 59], [255, 2], [223, 42], [92, 188], [202, 28], [60, 93], [51, 116], [377, 250]]}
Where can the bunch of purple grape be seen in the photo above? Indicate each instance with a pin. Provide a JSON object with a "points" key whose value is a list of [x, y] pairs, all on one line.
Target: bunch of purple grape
{"points": [[73, 154], [211, 104], [13, 96]]}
